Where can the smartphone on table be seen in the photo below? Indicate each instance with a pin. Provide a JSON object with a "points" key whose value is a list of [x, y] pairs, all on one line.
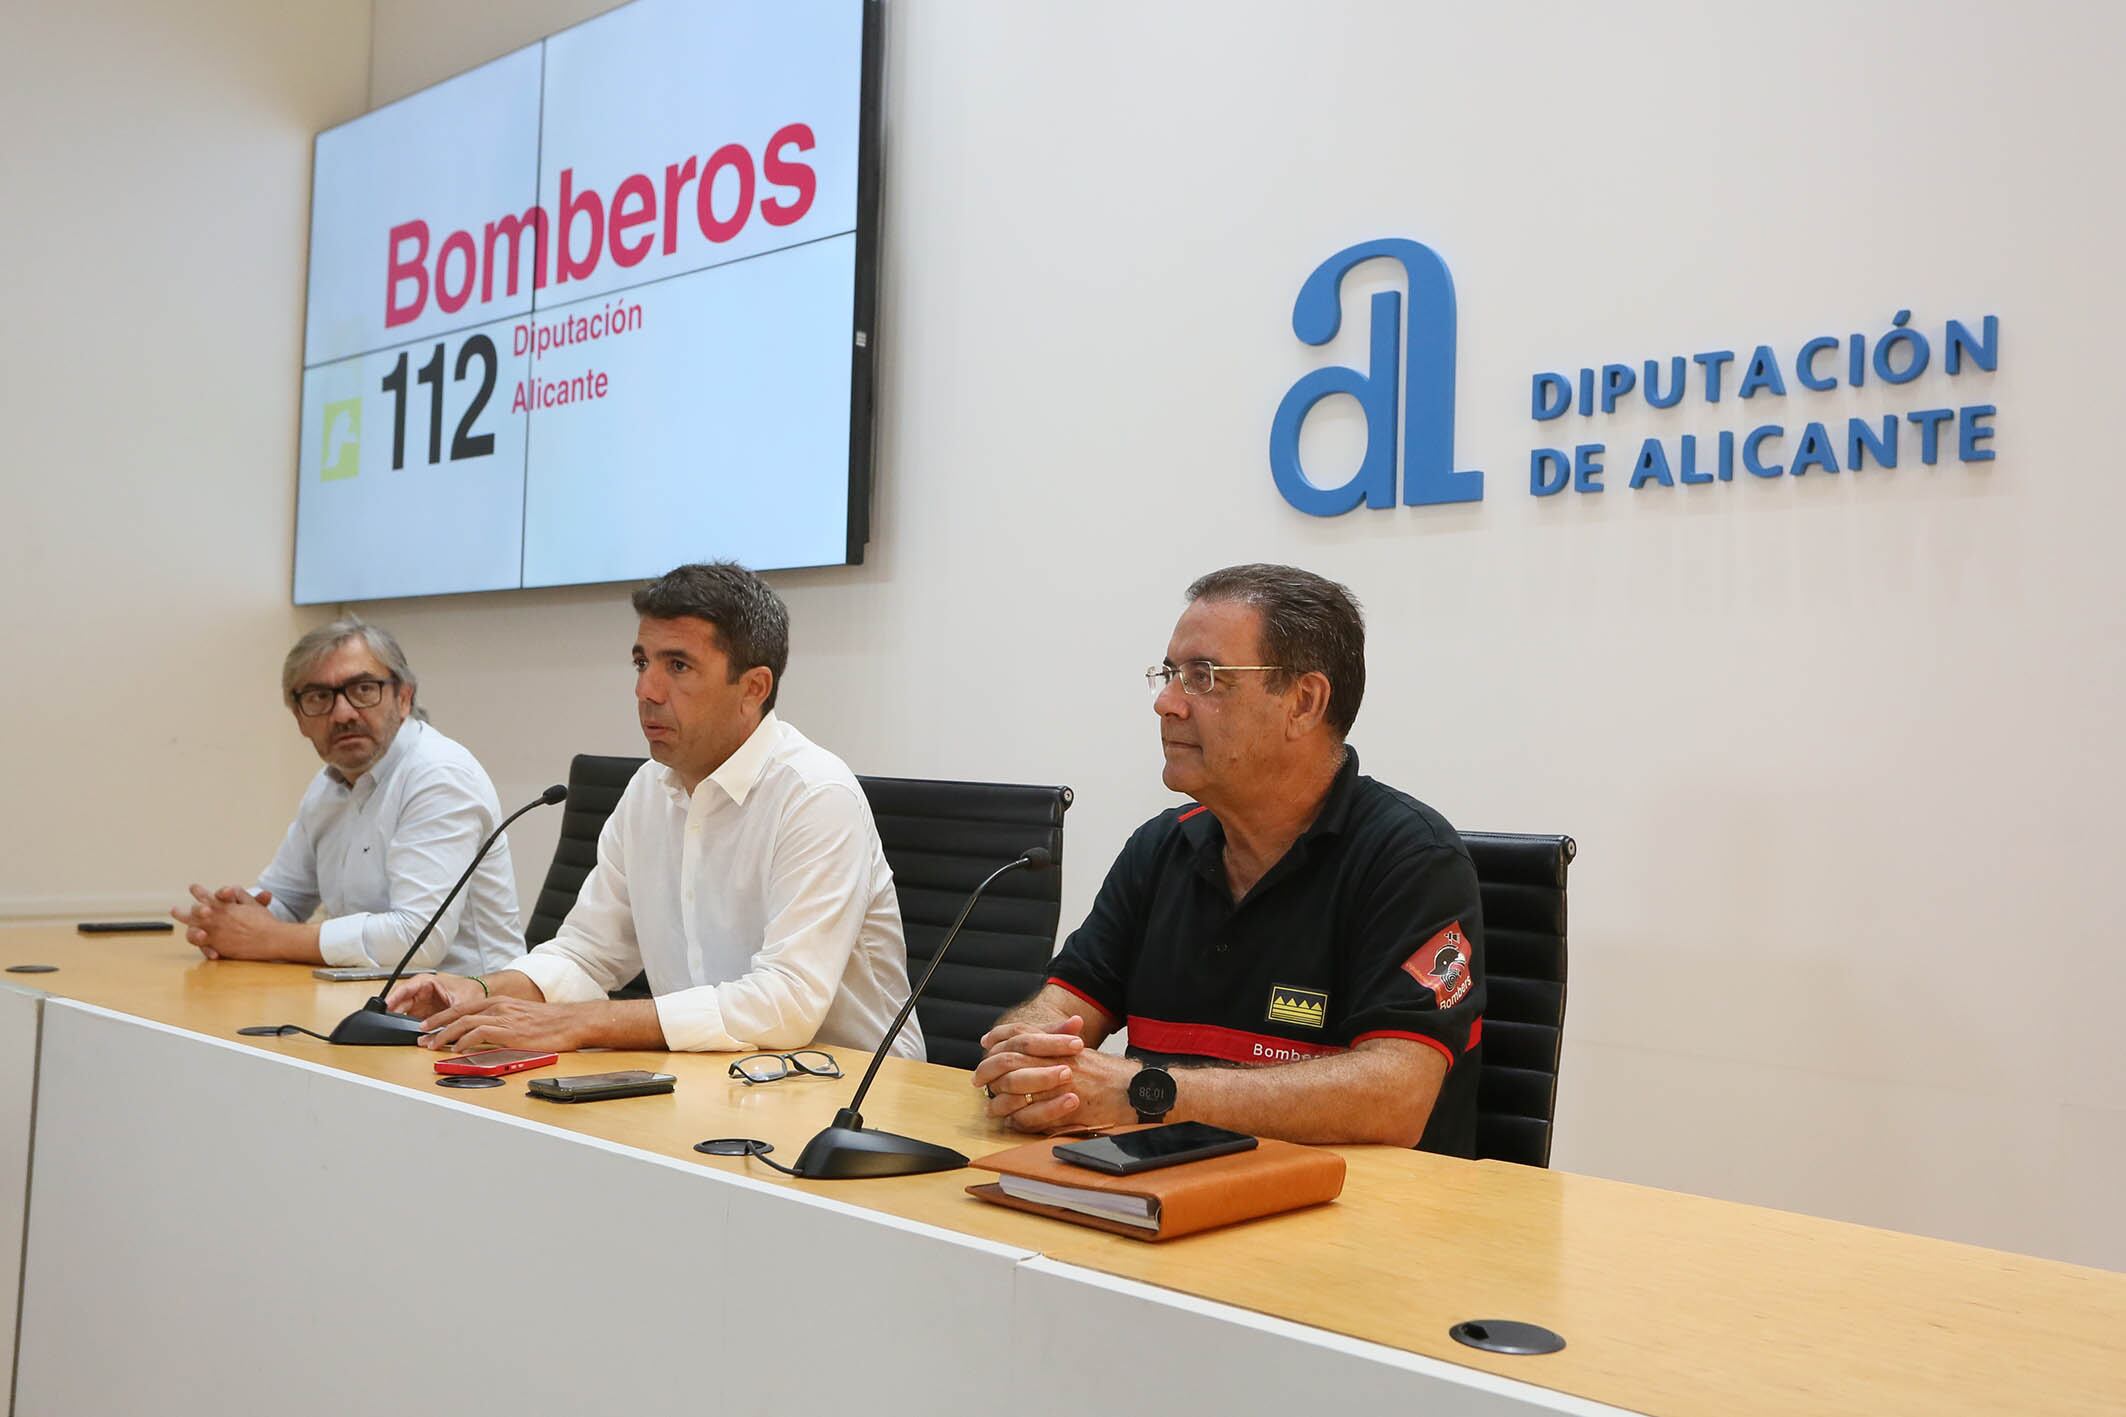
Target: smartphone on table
{"points": [[494, 1062], [597, 1087], [1127, 1153]]}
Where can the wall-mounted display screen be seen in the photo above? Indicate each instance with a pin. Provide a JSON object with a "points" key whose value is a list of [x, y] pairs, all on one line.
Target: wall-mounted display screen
{"points": [[597, 308]]}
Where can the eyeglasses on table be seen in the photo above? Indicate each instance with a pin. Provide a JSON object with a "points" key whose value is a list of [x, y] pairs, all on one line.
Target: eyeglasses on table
{"points": [[772, 1067]]}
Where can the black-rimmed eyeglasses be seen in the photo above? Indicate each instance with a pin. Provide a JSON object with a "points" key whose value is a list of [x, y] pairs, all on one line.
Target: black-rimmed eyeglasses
{"points": [[770, 1067], [315, 700]]}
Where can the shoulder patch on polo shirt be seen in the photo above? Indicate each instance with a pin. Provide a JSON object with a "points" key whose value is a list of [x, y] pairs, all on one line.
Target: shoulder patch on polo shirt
{"points": [[1441, 964], [1305, 1007]]}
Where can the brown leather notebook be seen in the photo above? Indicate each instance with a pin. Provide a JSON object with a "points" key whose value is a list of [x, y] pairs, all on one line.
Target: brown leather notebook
{"points": [[1161, 1204]]}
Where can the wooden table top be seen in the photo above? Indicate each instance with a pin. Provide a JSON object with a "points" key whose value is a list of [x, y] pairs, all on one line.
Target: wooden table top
{"points": [[1669, 1303]]}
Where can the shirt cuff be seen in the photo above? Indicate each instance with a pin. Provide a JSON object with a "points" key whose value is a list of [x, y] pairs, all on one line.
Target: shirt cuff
{"points": [[560, 979], [339, 941], [692, 1020]]}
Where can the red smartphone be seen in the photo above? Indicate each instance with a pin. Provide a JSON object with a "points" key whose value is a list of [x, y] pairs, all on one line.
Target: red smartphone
{"points": [[493, 1062]]}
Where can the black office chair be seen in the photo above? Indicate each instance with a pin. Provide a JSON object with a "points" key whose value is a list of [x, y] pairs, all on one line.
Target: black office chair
{"points": [[1522, 880], [594, 787], [941, 838]]}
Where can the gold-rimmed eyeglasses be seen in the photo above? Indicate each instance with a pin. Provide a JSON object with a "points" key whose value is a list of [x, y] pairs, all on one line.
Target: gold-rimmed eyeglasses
{"points": [[1199, 676]]}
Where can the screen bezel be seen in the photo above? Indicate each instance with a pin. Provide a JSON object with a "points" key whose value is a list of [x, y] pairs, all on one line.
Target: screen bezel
{"points": [[863, 315]]}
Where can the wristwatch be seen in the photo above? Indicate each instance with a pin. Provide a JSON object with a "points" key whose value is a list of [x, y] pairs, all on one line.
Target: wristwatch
{"points": [[1151, 1092]]}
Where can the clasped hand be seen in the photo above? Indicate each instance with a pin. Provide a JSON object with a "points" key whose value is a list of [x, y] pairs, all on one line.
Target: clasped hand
{"points": [[1040, 1081], [229, 923]]}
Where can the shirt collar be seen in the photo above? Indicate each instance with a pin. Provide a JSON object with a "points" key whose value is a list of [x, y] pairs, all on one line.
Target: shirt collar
{"points": [[741, 771], [1336, 809], [380, 771]]}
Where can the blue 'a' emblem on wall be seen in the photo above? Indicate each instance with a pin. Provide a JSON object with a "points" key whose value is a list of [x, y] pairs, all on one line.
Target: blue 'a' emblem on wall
{"points": [[1423, 355]]}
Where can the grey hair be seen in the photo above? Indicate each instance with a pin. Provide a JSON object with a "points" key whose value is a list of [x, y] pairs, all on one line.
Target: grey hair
{"points": [[1309, 624], [326, 638]]}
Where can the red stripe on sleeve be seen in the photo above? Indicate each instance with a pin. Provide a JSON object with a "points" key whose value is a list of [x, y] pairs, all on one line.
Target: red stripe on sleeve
{"points": [[1232, 1045], [1429, 1042], [1068, 987]]}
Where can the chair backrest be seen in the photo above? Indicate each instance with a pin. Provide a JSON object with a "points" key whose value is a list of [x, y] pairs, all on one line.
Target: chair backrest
{"points": [[941, 839], [1522, 880], [594, 788]]}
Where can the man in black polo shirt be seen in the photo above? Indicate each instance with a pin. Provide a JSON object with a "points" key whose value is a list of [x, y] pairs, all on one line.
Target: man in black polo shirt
{"points": [[1299, 951]]}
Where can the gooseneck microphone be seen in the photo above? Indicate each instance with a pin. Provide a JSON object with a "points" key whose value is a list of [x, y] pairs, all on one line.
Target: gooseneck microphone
{"points": [[373, 1025], [845, 1150]]}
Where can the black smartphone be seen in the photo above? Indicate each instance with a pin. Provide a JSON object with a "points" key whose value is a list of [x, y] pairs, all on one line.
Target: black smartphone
{"points": [[597, 1087], [125, 927], [1130, 1152]]}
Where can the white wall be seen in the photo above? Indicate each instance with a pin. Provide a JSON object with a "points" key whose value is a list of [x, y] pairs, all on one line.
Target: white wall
{"points": [[1838, 751], [157, 172]]}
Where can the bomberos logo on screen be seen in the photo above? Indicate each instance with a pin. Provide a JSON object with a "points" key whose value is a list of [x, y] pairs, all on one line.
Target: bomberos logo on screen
{"points": [[558, 296]]}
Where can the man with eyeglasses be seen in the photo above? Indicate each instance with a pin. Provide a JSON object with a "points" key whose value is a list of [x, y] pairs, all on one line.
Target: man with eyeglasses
{"points": [[1298, 952], [382, 833], [740, 872]]}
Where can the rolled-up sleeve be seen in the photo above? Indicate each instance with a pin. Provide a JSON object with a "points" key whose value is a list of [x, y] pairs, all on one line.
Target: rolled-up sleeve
{"points": [[595, 951], [339, 942], [441, 826], [819, 890]]}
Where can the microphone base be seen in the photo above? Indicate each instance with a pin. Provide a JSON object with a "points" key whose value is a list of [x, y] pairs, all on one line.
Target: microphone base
{"points": [[372, 1026], [843, 1153]]}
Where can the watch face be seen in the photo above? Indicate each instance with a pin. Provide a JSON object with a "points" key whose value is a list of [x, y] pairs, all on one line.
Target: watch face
{"points": [[1151, 1091]]}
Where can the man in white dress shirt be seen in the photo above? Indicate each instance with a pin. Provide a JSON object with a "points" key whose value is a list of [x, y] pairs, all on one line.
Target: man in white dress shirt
{"points": [[741, 870], [386, 828]]}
